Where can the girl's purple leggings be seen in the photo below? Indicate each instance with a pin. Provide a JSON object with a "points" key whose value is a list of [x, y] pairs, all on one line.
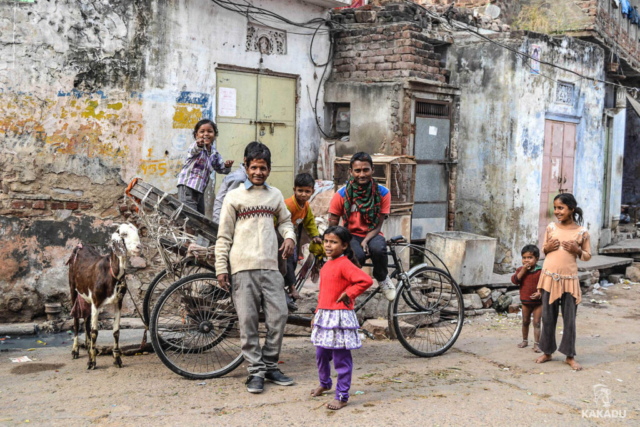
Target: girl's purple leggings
{"points": [[343, 363]]}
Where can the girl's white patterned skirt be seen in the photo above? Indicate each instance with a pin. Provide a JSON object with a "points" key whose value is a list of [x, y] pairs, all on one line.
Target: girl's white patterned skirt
{"points": [[336, 329]]}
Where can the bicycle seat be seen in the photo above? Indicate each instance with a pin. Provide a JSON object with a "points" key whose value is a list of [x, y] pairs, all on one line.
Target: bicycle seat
{"points": [[397, 239]]}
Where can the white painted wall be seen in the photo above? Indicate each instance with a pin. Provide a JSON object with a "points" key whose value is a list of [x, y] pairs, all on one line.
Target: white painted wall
{"points": [[198, 36]]}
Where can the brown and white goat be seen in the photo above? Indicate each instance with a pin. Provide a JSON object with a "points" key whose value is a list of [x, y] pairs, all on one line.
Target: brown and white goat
{"points": [[96, 280]]}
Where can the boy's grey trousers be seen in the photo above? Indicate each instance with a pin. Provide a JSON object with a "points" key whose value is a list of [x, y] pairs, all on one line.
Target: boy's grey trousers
{"points": [[253, 289]]}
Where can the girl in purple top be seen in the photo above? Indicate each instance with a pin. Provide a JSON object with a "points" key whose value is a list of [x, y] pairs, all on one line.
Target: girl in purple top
{"points": [[201, 161]]}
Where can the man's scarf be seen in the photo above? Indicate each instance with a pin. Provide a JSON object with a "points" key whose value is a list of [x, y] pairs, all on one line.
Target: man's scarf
{"points": [[367, 200]]}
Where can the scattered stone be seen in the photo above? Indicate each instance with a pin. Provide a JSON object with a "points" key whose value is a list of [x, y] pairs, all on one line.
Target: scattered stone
{"points": [[487, 302], [502, 303], [513, 293], [615, 278], [515, 300], [495, 295], [486, 311], [514, 308], [595, 276], [633, 272], [485, 292], [472, 301], [131, 323], [379, 328], [137, 262]]}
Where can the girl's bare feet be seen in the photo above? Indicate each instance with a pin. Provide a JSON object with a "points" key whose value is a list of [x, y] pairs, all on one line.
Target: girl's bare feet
{"points": [[544, 358], [318, 391], [535, 348], [294, 293], [336, 404], [574, 365], [523, 344]]}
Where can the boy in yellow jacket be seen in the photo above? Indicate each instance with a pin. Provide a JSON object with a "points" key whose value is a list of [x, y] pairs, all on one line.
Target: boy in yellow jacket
{"points": [[302, 218]]}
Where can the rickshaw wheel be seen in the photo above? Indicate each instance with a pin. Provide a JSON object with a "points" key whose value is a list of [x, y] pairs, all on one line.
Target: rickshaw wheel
{"points": [[194, 328], [164, 279]]}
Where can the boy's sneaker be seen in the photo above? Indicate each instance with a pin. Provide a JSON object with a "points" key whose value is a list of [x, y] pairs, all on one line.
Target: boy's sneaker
{"points": [[291, 305], [255, 384], [278, 377], [388, 289]]}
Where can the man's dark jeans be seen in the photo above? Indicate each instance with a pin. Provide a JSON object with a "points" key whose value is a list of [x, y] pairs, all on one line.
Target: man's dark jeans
{"points": [[377, 253]]}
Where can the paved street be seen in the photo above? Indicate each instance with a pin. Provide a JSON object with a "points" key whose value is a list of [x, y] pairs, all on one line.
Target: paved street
{"points": [[484, 380]]}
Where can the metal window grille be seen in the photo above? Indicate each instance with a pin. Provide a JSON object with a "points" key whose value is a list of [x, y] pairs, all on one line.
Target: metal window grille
{"points": [[431, 109]]}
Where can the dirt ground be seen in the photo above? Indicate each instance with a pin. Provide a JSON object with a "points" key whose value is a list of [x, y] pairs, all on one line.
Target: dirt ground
{"points": [[484, 380]]}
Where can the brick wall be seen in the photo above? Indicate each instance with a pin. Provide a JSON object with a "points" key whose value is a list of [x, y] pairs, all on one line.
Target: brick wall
{"points": [[386, 52], [385, 43]]}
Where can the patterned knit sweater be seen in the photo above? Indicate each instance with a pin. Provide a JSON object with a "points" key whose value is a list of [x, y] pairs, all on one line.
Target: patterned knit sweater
{"points": [[246, 237], [338, 276]]}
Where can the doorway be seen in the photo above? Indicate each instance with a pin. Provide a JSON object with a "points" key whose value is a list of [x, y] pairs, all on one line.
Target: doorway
{"points": [[431, 149], [253, 106], [557, 168]]}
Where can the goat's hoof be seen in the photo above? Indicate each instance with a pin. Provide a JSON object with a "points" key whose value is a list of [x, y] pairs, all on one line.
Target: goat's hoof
{"points": [[91, 365], [75, 354], [118, 362]]}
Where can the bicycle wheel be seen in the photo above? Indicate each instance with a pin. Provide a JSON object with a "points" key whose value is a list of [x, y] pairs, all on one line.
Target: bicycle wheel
{"points": [[428, 312], [194, 328], [164, 279]]}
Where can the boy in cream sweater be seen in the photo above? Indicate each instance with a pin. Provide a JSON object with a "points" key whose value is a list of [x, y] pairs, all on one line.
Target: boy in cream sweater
{"points": [[247, 246]]}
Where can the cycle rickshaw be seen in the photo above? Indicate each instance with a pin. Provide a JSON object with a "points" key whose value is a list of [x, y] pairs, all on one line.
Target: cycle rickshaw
{"points": [[193, 324]]}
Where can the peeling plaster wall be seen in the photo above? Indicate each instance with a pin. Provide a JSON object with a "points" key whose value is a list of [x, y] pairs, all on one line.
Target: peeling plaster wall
{"points": [[503, 110], [93, 93], [374, 108]]}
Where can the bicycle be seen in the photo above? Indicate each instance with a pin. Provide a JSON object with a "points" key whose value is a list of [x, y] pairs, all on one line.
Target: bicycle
{"points": [[194, 327]]}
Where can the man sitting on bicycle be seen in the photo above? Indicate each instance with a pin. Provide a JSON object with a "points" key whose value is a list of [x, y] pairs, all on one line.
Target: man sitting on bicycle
{"points": [[363, 205]]}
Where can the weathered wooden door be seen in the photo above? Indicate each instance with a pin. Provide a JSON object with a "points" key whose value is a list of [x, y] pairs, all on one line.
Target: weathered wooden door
{"points": [[258, 107], [431, 148], [557, 168]]}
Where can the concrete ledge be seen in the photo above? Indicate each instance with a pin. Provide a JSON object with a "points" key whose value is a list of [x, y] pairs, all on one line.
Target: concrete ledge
{"points": [[18, 329], [601, 262], [630, 246]]}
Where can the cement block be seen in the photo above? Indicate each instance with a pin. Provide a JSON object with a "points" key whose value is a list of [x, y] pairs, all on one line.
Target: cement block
{"points": [[469, 257]]}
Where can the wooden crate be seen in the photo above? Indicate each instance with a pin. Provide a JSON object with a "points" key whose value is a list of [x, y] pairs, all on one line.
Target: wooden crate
{"points": [[397, 173]]}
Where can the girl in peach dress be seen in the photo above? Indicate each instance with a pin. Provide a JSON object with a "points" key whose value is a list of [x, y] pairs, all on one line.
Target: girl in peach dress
{"points": [[564, 242]]}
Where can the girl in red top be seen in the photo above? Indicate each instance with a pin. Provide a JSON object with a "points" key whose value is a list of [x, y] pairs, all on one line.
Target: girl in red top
{"points": [[335, 325]]}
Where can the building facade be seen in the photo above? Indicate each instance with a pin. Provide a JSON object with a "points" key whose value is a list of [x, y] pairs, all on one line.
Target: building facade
{"points": [[95, 93]]}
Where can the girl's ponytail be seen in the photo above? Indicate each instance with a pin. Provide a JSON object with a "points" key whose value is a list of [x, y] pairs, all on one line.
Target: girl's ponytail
{"points": [[346, 237], [572, 203], [577, 215], [352, 256]]}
